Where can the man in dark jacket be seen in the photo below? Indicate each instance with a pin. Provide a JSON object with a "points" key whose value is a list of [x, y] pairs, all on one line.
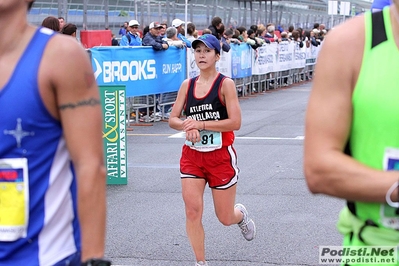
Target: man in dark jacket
{"points": [[153, 38], [217, 29], [215, 26]]}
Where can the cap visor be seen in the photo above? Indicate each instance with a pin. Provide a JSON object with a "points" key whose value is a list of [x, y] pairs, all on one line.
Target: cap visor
{"points": [[195, 43]]}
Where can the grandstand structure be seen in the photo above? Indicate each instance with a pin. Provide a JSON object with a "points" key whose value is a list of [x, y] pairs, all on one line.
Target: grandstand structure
{"points": [[110, 14]]}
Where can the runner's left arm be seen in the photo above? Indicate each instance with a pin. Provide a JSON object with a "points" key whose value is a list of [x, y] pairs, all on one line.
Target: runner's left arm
{"points": [[77, 97]]}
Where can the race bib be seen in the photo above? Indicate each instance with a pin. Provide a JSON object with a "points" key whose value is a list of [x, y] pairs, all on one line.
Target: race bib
{"points": [[388, 214], [14, 198], [210, 141]]}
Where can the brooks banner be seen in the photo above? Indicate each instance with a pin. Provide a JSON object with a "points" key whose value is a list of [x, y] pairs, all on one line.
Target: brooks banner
{"points": [[141, 69], [113, 101], [147, 72]]}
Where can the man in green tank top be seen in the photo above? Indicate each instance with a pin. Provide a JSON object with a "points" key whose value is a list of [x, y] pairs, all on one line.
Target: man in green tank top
{"points": [[351, 148]]}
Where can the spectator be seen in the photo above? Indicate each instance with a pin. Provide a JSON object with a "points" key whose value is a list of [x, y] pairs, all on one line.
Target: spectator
{"points": [[114, 41], [171, 38], [217, 29], [152, 38], [314, 37], [251, 39], [290, 30], [301, 37], [51, 23], [51, 143], [220, 31], [300, 32], [236, 37], [296, 38], [178, 24], [215, 26], [284, 37], [259, 40], [243, 35], [261, 33], [322, 34], [307, 39], [206, 31], [190, 31], [69, 29], [195, 34], [270, 34], [228, 37], [223, 42], [131, 38], [62, 22], [146, 30], [162, 31], [254, 28], [123, 30]]}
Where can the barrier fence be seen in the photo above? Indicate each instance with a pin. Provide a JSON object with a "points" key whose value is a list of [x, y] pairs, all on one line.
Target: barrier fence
{"points": [[152, 78], [111, 14]]}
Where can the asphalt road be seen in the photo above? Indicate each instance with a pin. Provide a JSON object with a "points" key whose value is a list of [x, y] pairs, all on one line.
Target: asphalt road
{"points": [[146, 221]]}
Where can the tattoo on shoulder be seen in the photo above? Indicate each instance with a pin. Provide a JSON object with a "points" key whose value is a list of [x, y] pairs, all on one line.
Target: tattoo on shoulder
{"points": [[88, 102]]}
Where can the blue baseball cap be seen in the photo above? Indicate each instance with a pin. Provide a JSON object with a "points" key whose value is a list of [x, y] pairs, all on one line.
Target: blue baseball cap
{"points": [[209, 40]]}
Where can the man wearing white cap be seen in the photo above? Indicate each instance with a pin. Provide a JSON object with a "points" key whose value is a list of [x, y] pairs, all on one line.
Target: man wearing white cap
{"points": [[178, 24], [131, 38]]}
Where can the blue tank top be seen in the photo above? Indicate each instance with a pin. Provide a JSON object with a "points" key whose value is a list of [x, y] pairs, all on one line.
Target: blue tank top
{"points": [[32, 139]]}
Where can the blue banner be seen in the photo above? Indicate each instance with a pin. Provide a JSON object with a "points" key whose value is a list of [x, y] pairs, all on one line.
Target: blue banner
{"points": [[241, 60], [141, 69]]}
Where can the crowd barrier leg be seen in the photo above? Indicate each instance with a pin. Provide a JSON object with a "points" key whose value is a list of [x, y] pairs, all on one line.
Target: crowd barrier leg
{"points": [[270, 81], [258, 83], [249, 85], [278, 78], [239, 87], [255, 84], [291, 76], [147, 103], [166, 100], [295, 75], [262, 83]]}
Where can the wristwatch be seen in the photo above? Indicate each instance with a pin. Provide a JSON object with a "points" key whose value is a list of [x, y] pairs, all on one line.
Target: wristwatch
{"points": [[96, 262]]}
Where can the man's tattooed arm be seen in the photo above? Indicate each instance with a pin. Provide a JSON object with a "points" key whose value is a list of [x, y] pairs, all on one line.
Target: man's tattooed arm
{"points": [[89, 102]]}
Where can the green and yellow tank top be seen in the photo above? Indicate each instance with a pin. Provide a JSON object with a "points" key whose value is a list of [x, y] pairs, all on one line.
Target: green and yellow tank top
{"points": [[375, 125]]}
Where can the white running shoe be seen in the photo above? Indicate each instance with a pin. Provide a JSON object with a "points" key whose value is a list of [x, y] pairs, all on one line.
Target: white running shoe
{"points": [[201, 263], [247, 226]]}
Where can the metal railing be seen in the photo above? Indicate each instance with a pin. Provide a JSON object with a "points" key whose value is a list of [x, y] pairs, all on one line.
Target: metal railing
{"points": [[111, 14]]}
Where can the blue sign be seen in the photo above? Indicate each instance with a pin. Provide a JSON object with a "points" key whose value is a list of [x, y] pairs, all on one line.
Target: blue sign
{"points": [[141, 69], [241, 64]]}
